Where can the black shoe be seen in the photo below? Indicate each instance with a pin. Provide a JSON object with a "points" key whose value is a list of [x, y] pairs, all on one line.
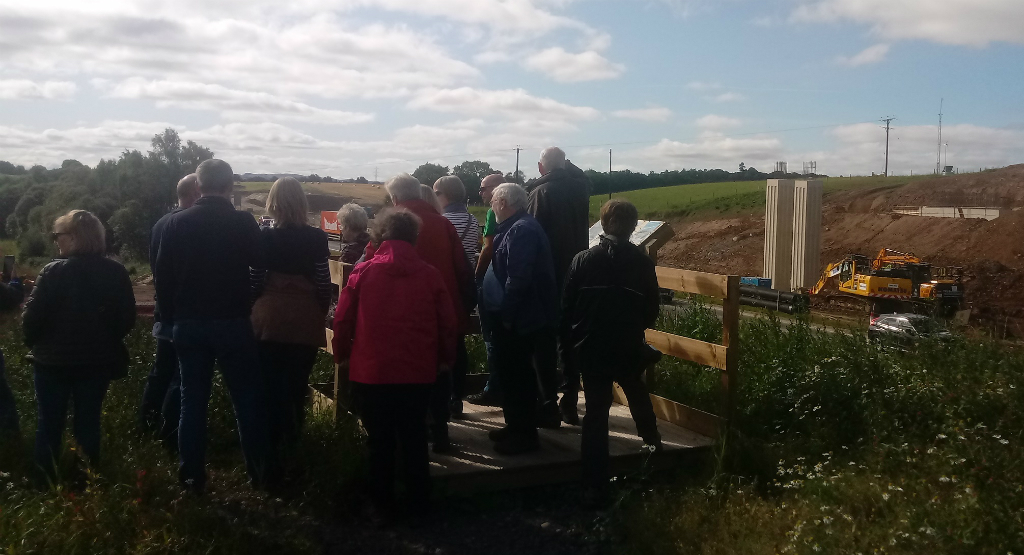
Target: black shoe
{"points": [[455, 410], [595, 498], [517, 445], [549, 416], [485, 399], [567, 408], [441, 442], [498, 435]]}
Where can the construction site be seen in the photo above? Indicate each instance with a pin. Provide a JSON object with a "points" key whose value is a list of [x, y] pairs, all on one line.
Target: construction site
{"points": [[868, 221]]}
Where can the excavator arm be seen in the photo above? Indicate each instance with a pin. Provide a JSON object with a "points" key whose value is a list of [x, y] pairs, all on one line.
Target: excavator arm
{"points": [[830, 272]]}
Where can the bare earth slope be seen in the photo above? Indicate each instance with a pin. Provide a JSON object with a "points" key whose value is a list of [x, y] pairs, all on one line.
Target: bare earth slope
{"points": [[992, 252]]}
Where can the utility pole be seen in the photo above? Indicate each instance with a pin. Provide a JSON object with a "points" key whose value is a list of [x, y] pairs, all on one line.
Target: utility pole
{"points": [[516, 175], [939, 146], [609, 174], [887, 120]]}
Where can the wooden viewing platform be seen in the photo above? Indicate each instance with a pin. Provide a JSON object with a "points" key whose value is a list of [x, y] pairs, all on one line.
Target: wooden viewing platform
{"points": [[686, 432]]}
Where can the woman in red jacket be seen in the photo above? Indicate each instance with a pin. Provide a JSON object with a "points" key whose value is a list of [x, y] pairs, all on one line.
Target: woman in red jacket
{"points": [[396, 326]]}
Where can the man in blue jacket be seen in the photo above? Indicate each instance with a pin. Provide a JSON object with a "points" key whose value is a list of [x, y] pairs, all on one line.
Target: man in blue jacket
{"points": [[529, 314], [202, 268]]}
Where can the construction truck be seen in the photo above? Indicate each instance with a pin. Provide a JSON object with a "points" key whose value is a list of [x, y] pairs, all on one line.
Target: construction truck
{"points": [[891, 282]]}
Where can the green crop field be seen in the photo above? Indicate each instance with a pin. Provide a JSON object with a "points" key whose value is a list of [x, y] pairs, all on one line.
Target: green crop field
{"points": [[726, 198]]}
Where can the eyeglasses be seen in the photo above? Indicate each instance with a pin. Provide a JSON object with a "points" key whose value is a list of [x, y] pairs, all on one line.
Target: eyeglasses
{"points": [[55, 235]]}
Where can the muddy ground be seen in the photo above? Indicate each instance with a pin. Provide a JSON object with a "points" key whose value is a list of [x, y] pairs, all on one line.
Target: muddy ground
{"points": [[861, 221]]}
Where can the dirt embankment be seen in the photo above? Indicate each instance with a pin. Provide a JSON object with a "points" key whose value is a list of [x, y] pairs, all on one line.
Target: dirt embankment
{"points": [[991, 252]]}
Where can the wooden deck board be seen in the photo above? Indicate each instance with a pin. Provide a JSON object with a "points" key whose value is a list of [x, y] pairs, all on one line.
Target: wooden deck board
{"points": [[474, 465]]}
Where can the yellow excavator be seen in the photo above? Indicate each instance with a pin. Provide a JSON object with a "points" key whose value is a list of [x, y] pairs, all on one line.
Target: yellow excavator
{"points": [[892, 282]]}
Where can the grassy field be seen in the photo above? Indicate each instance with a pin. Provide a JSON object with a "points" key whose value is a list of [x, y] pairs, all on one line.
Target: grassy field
{"points": [[359, 192], [718, 199], [839, 446], [725, 198]]}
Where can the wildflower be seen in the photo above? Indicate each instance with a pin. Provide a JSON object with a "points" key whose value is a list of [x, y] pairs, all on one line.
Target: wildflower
{"points": [[885, 497], [944, 479], [940, 436]]}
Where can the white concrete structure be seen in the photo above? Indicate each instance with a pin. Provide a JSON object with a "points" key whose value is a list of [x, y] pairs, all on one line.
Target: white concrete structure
{"points": [[778, 233], [980, 212], [806, 255]]}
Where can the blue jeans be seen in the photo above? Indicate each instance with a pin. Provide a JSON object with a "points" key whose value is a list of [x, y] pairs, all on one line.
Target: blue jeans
{"points": [[231, 343], [161, 399], [8, 410], [488, 322], [56, 386]]}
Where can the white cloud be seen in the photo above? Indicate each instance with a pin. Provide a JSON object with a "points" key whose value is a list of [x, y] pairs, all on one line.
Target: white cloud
{"points": [[861, 148], [702, 86], [651, 114], [727, 97], [567, 67], [712, 152], [321, 56], [509, 103], [870, 55], [715, 123], [972, 23], [18, 89], [232, 104]]}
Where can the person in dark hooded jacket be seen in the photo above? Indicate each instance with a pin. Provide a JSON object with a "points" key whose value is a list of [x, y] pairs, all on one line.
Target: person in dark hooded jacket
{"points": [[11, 295], [560, 201], [610, 298]]}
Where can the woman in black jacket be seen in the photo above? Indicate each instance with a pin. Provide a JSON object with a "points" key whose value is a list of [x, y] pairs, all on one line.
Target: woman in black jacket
{"points": [[610, 298], [291, 298], [75, 321]]}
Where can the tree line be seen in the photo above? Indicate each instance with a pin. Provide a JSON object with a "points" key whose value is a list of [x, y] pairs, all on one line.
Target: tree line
{"points": [[471, 172], [128, 195]]}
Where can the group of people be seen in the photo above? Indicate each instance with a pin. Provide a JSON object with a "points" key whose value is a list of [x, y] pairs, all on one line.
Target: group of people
{"points": [[253, 301], [545, 302]]}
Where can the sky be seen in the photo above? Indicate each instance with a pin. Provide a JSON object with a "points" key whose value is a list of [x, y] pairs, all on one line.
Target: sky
{"points": [[353, 88]]}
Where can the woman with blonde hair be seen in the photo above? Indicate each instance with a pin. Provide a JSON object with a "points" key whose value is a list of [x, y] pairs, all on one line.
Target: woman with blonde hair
{"points": [[292, 295], [75, 322]]}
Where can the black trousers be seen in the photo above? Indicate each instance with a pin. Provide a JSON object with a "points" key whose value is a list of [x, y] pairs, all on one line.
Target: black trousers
{"points": [[597, 387], [285, 368], [450, 386], [393, 417], [514, 354], [161, 399]]}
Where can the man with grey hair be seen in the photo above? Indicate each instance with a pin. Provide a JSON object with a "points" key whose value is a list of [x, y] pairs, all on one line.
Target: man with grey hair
{"points": [[204, 256], [438, 245], [560, 201], [161, 398], [527, 311]]}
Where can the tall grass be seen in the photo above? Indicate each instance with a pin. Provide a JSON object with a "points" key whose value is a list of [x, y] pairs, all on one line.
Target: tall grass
{"points": [[841, 446], [132, 503]]}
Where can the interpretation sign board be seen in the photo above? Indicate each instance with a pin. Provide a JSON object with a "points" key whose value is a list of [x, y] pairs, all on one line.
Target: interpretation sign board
{"points": [[329, 222], [644, 230]]}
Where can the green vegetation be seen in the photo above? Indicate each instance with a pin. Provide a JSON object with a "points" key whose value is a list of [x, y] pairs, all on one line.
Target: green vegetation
{"points": [[133, 504], [841, 446], [128, 195]]}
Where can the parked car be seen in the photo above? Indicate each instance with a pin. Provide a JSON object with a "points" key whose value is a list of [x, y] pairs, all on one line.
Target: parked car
{"points": [[906, 329]]}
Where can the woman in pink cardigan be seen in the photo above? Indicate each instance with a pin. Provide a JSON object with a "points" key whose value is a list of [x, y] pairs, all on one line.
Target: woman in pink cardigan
{"points": [[396, 326]]}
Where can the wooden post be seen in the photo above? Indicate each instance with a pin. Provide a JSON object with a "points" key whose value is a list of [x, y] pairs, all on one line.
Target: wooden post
{"points": [[731, 340]]}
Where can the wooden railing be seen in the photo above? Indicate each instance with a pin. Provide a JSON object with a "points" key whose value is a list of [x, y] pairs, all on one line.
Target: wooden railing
{"points": [[724, 357]]}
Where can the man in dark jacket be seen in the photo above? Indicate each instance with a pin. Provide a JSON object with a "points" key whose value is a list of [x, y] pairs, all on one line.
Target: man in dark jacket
{"points": [[11, 296], [560, 201], [161, 399], [610, 298], [523, 268], [203, 260]]}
